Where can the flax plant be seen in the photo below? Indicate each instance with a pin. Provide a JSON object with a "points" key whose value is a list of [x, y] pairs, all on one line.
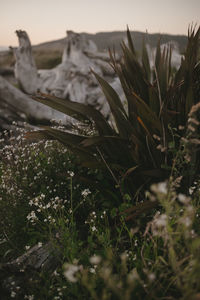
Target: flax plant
{"points": [[135, 151]]}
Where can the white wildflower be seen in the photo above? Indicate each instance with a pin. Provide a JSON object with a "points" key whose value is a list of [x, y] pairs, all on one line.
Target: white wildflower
{"points": [[186, 221], [94, 228], [92, 270], [32, 216], [151, 277], [29, 297], [31, 202], [191, 128], [71, 174], [156, 137], [55, 273], [160, 188], [95, 259], [183, 199], [85, 192], [70, 272], [161, 221], [13, 294], [191, 190]]}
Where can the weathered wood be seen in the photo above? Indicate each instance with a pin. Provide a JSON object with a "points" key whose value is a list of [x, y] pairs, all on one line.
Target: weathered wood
{"points": [[72, 78], [36, 258], [15, 105], [25, 68], [27, 267]]}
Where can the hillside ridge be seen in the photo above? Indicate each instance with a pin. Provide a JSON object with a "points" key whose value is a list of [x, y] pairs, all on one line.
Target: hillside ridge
{"points": [[105, 40]]}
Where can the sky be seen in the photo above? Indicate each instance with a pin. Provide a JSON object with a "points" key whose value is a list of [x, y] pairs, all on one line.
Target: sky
{"points": [[46, 20]]}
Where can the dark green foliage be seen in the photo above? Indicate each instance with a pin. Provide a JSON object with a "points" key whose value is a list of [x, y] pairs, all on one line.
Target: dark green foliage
{"points": [[136, 149]]}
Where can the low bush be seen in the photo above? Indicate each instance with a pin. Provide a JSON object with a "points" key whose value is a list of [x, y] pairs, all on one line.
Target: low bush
{"points": [[99, 254], [135, 146]]}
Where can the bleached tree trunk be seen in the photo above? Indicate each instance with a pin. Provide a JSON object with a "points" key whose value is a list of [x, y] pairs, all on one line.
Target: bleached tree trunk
{"points": [[25, 67], [72, 78], [25, 106]]}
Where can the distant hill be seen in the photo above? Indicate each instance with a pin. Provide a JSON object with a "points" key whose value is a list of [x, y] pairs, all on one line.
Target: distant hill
{"points": [[49, 54], [105, 40]]}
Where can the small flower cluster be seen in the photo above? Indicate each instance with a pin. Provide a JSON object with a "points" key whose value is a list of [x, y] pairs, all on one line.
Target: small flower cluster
{"points": [[192, 141], [45, 208], [71, 272], [92, 221], [85, 193]]}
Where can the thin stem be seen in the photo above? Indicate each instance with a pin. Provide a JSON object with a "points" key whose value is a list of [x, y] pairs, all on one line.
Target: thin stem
{"points": [[154, 164], [160, 113], [111, 172], [71, 200]]}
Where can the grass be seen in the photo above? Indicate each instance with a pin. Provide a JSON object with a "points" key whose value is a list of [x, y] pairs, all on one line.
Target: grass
{"points": [[99, 254], [47, 59], [44, 59]]}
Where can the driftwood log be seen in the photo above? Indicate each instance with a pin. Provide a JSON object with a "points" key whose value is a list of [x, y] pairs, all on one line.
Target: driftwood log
{"points": [[25, 67], [72, 78], [15, 106], [22, 271]]}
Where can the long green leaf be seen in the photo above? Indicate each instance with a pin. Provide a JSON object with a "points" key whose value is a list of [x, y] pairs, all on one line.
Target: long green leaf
{"points": [[110, 93], [76, 110], [96, 140], [72, 141], [146, 114], [145, 61], [130, 41], [117, 108]]}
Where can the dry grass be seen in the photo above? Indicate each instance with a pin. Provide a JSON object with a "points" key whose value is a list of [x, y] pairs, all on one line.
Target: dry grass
{"points": [[45, 59]]}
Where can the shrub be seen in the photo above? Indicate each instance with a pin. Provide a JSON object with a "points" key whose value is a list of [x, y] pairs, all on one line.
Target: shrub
{"points": [[99, 256], [139, 146], [35, 177]]}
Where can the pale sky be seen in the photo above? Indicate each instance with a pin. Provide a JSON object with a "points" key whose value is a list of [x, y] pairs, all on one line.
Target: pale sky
{"points": [[46, 20]]}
